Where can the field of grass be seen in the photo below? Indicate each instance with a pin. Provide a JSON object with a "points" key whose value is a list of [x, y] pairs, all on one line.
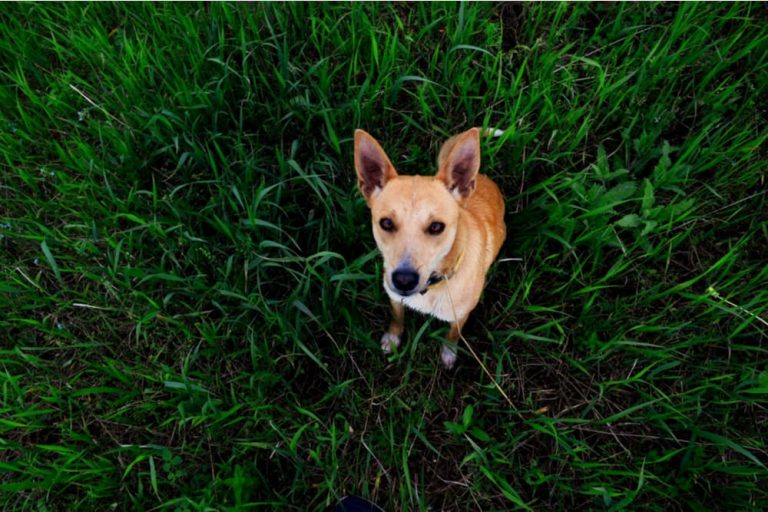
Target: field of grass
{"points": [[190, 293]]}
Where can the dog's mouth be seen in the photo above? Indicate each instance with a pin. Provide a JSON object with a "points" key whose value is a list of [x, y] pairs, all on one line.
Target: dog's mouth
{"points": [[390, 287], [434, 278], [401, 293]]}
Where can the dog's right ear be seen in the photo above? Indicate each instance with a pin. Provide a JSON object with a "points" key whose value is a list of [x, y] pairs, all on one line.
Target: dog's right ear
{"points": [[459, 169], [373, 167]]}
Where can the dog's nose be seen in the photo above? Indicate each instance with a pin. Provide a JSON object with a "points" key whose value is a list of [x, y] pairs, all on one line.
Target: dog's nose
{"points": [[405, 280]]}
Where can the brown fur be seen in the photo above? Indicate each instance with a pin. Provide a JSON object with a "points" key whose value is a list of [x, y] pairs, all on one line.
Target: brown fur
{"points": [[469, 205]]}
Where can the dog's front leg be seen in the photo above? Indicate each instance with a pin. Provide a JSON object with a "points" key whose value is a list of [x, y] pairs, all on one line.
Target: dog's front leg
{"points": [[450, 345], [391, 338]]}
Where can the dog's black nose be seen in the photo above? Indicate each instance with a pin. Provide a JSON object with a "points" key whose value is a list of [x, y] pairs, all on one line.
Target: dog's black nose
{"points": [[405, 280]]}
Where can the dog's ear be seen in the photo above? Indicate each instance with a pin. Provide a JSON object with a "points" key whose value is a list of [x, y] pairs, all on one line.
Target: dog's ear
{"points": [[459, 169], [373, 167]]}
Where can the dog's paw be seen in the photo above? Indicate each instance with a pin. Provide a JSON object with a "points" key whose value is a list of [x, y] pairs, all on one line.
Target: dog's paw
{"points": [[389, 341], [448, 356]]}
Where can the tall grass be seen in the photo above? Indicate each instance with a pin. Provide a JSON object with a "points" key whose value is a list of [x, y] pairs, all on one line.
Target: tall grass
{"points": [[190, 296]]}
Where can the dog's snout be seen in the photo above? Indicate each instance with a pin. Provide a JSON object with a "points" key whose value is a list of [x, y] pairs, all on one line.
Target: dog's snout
{"points": [[405, 280]]}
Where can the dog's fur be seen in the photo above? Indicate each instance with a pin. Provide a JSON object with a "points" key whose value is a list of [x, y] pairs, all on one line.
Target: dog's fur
{"points": [[436, 271]]}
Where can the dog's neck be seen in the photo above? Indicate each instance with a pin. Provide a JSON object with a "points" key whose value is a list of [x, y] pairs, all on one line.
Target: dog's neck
{"points": [[452, 260]]}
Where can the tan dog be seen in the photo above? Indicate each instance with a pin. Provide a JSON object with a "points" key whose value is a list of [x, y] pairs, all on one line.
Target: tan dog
{"points": [[438, 234]]}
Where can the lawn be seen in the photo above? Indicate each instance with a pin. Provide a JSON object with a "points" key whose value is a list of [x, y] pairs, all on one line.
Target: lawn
{"points": [[190, 293]]}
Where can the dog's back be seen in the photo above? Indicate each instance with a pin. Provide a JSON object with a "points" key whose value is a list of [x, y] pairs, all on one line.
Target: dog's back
{"points": [[487, 206]]}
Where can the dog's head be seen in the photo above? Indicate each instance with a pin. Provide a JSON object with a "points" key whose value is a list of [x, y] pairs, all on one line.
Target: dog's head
{"points": [[415, 217]]}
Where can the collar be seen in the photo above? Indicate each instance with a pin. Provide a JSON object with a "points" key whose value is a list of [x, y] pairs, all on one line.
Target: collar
{"points": [[437, 280]]}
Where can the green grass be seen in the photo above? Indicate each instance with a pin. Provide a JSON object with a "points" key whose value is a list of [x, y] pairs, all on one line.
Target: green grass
{"points": [[190, 295]]}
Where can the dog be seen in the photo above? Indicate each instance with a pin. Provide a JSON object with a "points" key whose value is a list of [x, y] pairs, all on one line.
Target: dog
{"points": [[438, 234]]}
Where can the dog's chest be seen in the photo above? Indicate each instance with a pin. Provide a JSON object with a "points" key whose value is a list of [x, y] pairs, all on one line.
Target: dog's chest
{"points": [[435, 302]]}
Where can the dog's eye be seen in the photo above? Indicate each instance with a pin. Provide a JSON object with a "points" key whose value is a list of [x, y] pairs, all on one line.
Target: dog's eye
{"points": [[436, 228], [387, 224]]}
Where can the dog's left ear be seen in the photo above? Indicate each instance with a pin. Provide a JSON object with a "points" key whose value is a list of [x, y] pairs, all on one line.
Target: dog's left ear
{"points": [[460, 167]]}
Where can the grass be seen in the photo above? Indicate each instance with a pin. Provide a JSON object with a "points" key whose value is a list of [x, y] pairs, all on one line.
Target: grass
{"points": [[190, 296]]}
